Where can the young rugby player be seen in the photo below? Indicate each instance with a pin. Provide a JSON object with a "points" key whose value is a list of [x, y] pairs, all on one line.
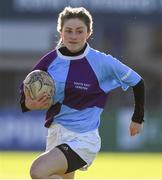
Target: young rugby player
{"points": [[83, 78]]}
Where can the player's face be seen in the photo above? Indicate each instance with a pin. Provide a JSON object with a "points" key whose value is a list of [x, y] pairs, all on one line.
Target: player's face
{"points": [[74, 34]]}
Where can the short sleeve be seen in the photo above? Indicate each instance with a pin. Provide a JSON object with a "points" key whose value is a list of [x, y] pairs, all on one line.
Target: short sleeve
{"points": [[119, 73]]}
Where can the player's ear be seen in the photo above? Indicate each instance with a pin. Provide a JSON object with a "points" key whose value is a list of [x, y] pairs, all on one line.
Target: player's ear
{"points": [[88, 35], [61, 35], [60, 38]]}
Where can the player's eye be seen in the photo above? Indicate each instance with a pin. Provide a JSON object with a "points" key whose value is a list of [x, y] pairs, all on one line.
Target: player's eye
{"points": [[79, 32], [68, 31]]}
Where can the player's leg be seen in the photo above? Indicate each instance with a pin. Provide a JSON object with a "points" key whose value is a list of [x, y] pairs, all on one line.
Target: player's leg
{"points": [[69, 175], [63, 176], [60, 162], [51, 164]]}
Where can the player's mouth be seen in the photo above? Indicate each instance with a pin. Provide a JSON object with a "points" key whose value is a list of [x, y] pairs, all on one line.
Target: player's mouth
{"points": [[72, 42]]}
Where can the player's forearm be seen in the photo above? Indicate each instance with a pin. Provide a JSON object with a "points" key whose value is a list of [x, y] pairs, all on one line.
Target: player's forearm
{"points": [[139, 98]]}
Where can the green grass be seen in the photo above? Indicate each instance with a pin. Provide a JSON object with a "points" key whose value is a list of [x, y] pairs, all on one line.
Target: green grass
{"points": [[15, 165]]}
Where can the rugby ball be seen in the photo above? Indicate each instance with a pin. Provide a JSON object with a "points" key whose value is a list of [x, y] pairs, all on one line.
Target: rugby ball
{"points": [[37, 82]]}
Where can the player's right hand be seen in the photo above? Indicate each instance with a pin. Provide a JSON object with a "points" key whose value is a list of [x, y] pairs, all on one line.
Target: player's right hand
{"points": [[43, 101]]}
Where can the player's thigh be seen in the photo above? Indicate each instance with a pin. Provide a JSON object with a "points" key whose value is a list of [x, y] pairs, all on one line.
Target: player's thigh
{"points": [[48, 163]]}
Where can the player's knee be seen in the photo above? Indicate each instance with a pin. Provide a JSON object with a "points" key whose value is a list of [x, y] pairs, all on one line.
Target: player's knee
{"points": [[35, 173]]}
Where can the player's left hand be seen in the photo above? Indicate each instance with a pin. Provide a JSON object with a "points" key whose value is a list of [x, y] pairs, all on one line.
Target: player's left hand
{"points": [[135, 128]]}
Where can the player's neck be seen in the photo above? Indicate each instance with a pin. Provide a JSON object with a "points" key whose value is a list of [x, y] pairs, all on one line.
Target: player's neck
{"points": [[64, 51]]}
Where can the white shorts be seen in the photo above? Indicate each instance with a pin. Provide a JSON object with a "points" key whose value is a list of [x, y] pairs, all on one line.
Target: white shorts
{"points": [[86, 145]]}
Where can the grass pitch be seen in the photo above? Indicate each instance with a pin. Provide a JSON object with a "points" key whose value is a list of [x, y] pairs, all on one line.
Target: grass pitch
{"points": [[15, 165]]}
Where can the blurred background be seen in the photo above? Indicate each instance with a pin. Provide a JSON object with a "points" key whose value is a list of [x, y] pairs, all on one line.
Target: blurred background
{"points": [[130, 30]]}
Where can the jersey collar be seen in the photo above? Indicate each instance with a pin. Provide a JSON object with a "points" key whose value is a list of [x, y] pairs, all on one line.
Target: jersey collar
{"points": [[73, 57]]}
